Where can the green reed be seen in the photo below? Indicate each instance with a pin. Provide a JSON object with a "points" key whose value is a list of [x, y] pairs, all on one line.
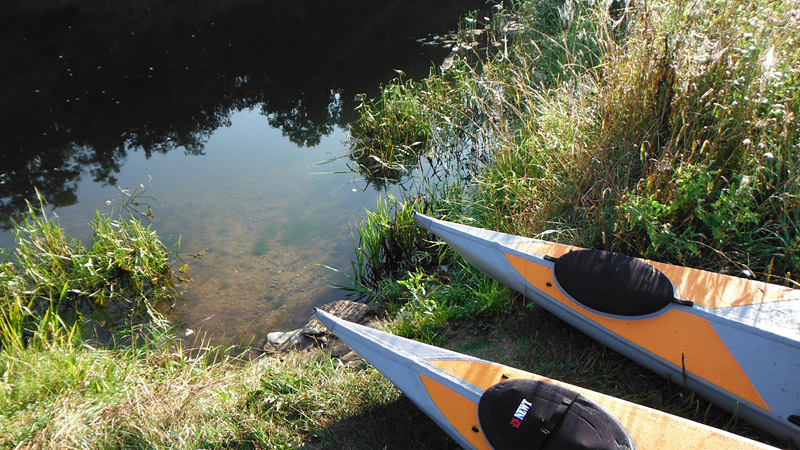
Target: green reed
{"points": [[387, 242], [53, 282]]}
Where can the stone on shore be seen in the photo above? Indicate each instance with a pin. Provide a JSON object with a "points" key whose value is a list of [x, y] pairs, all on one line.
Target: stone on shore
{"points": [[343, 309], [285, 341], [315, 335]]}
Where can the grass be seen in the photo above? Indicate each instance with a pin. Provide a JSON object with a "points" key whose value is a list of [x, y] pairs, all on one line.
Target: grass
{"points": [[60, 301], [149, 397], [663, 130], [666, 129], [51, 278]]}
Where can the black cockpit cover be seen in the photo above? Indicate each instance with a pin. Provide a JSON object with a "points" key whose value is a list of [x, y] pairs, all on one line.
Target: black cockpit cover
{"points": [[613, 283], [537, 415]]}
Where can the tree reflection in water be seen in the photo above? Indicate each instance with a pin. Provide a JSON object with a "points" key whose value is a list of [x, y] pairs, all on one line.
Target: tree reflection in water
{"points": [[85, 82]]}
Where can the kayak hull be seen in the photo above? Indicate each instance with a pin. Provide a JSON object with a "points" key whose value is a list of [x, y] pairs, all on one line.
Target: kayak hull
{"points": [[735, 342], [448, 386]]}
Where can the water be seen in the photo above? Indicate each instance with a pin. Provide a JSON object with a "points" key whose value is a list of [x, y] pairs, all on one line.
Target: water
{"points": [[262, 219], [221, 109]]}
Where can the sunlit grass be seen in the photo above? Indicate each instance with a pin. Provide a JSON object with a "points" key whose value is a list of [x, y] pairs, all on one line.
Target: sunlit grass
{"points": [[664, 129], [53, 282], [156, 395], [144, 386], [386, 243]]}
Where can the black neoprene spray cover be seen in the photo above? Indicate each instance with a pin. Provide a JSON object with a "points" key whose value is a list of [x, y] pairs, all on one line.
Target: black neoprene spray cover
{"points": [[529, 415], [613, 283]]}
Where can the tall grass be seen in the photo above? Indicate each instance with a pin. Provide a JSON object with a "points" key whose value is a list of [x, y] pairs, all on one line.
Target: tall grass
{"points": [[719, 183], [388, 243], [665, 129]]}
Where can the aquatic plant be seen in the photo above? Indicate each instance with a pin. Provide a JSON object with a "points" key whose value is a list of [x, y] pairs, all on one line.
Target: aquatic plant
{"points": [[52, 282]]}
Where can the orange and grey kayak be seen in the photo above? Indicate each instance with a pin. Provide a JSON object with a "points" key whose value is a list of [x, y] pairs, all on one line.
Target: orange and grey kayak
{"points": [[488, 406], [734, 341]]}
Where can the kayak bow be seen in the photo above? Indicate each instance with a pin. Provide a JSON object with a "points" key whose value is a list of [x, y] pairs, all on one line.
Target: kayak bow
{"points": [[734, 341], [469, 399]]}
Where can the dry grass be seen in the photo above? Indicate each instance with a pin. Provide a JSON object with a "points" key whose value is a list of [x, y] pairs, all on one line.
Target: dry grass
{"points": [[170, 400]]}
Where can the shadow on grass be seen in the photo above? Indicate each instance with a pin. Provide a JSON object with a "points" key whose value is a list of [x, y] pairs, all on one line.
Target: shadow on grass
{"points": [[534, 340], [398, 425]]}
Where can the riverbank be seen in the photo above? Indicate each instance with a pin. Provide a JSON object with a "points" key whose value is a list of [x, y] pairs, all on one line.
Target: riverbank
{"points": [[668, 132], [155, 388]]}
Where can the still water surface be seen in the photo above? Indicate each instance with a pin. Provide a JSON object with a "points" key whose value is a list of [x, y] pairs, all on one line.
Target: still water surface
{"points": [[262, 219], [221, 109], [263, 213]]}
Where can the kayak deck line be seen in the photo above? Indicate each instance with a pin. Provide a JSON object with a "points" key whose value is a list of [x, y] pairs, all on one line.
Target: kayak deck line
{"points": [[738, 344], [448, 387], [410, 372]]}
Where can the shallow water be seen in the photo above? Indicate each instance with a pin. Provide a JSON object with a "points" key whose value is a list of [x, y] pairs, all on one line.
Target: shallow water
{"points": [[263, 221], [261, 212]]}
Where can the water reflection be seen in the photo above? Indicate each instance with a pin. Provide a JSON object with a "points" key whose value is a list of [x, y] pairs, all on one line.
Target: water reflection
{"points": [[262, 220], [85, 83], [219, 104]]}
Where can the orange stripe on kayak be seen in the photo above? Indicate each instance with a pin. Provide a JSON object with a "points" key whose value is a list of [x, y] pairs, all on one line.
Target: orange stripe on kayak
{"points": [[712, 290], [650, 429], [684, 339], [459, 411]]}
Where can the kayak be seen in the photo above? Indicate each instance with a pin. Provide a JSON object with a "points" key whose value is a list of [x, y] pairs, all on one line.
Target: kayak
{"points": [[734, 341], [488, 406]]}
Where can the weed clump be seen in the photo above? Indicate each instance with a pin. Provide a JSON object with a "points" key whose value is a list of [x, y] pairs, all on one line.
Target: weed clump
{"points": [[53, 283]]}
